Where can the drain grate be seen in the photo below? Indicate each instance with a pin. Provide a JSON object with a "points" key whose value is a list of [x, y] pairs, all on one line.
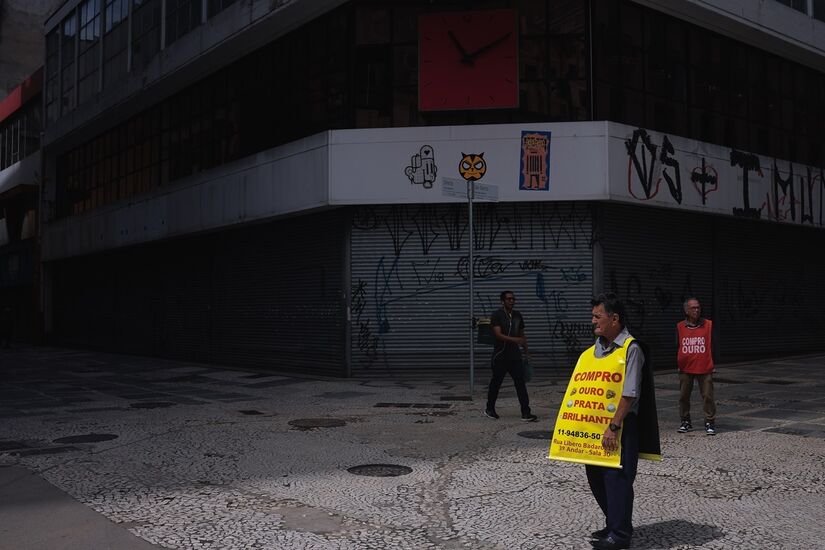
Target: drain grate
{"points": [[380, 470], [456, 398], [86, 438], [250, 412], [776, 382], [537, 434], [152, 405], [311, 423]]}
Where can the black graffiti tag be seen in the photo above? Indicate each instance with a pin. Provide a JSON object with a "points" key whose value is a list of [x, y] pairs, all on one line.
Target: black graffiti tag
{"points": [[709, 181], [749, 163], [674, 182], [645, 166]]}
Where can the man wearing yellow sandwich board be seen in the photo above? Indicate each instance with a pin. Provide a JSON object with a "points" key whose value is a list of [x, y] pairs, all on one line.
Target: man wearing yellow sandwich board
{"points": [[607, 419]]}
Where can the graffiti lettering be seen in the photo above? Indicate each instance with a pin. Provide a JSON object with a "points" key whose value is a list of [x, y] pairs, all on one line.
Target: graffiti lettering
{"points": [[395, 227], [749, 163], [573, 274], [674, 182], [425, 278], [533, 265], [707, 178], [645, 166], [787, 189], [424, 220], [483, 266]]}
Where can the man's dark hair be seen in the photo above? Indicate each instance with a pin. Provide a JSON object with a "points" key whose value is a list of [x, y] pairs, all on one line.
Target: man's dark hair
{"points": [[612, 305], [505, 293]]}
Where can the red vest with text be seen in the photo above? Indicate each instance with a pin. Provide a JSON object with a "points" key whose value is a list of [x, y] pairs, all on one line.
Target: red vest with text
{"points": [[694, 348]]}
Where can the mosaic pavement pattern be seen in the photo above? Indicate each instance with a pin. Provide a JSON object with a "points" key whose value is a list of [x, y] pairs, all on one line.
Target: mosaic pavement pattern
{"points": [[197, 457]]}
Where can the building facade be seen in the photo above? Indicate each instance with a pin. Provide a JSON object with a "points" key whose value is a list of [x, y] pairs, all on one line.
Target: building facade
{"points": [[20, 179], [277, 184]]}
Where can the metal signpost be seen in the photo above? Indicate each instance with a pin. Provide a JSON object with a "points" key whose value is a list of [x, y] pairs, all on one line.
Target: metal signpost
{"points": [[450, 188]]}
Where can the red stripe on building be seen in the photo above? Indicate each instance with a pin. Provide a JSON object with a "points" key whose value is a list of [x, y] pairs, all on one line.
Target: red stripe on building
{"points": [[21, 94]]}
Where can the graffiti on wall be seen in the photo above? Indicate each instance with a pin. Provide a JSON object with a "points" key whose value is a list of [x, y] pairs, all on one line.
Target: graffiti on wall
{"points": [[418, 254], [769, 189]]}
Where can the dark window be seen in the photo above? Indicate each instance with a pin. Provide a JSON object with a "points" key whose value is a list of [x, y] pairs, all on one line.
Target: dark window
{"points": [[215, 6], [68, 75], [798, 5], [145, 32], [88, 50], [52, 80], [664, 74], [819, 10], [181, 17], [115, 41]]}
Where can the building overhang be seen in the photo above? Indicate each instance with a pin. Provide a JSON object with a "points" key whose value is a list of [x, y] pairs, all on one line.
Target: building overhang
{"points": [[21, 177], [583, 161]]}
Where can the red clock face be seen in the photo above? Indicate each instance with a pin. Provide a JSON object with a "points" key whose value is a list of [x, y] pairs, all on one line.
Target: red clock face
{"points": [[468, 60]]}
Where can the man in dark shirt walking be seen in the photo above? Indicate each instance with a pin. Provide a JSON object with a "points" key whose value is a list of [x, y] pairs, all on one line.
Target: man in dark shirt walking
{"points": [[508, 330]]}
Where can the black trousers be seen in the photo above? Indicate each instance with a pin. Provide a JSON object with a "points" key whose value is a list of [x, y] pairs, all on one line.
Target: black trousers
{"points": [[613, 488], [515, 369]]}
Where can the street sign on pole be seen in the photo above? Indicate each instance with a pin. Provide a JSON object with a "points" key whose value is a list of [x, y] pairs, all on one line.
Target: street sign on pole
{"points": [[485, 192], [456, 188], [453, 187], [471, 189]]}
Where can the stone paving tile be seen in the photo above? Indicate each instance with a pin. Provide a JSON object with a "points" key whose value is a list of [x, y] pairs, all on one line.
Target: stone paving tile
{"points": [[782, 414], [209, 477]]}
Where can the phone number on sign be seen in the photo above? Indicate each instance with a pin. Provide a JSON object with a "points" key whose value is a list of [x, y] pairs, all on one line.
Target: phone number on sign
{"points": [[583, 435]]}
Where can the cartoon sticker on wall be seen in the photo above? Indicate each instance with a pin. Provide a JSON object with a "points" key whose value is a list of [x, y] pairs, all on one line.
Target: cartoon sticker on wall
{"points": [[472, 166], [535, 161], [422, 169]]}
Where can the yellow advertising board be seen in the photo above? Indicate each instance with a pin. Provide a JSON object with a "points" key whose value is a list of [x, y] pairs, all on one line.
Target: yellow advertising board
{"points": [[591, 400]]}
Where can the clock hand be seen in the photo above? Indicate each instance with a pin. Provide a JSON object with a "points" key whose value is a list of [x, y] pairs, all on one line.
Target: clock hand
{"points": [[469, 58], [464, 57]]}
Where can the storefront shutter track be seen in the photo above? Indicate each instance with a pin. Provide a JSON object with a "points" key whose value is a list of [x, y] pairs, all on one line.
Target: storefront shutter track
{"points": [[409, 288]]}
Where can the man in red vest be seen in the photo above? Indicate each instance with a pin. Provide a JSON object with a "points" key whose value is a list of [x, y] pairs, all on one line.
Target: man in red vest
{"points": [[695, 359]]}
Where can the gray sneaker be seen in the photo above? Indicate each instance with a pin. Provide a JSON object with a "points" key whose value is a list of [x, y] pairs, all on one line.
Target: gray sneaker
{"points": [[685, 427], [710, 429]]}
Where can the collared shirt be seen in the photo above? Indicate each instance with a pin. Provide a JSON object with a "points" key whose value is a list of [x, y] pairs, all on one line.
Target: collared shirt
{"points": [[633, 370]]}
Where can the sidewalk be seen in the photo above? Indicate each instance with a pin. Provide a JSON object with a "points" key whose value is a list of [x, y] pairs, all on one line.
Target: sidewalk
{"points": [[192, 456]]}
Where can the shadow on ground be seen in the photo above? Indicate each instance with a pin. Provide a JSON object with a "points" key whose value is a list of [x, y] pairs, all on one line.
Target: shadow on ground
{"points": [[675, 533]]}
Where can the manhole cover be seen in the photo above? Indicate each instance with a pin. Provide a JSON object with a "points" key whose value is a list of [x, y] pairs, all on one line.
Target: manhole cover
{"points": [[250, 413], [380, 470], [310, 423], [152, 405], [537, 434], [86, 438]]}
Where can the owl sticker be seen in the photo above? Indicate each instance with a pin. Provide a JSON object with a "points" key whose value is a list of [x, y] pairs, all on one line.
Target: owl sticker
{"points": [[472, 167]]}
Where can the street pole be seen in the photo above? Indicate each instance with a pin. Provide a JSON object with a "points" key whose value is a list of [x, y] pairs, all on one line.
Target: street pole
{"points": [[470, 190]]}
